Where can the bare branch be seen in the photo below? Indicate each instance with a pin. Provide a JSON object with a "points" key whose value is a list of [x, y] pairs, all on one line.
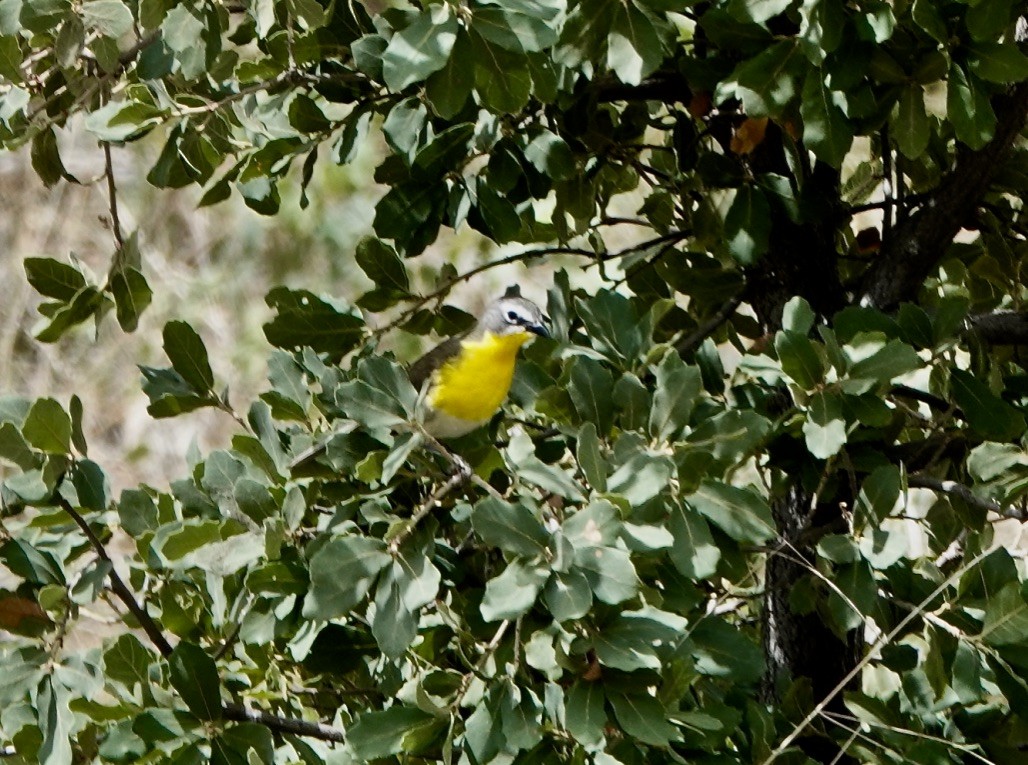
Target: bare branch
{"points": [[125, 595], [519, 257], [1000, 327], [112, 195], [724, 313], [239, 713], [964, 492], [235, 712], [920, 241]]}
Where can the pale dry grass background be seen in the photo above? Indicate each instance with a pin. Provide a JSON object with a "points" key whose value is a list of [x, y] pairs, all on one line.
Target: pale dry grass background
{"points": [[208, 266]]}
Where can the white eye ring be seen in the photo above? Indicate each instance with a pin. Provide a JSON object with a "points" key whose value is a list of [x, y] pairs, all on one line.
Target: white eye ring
{"points": [[512, 317]]}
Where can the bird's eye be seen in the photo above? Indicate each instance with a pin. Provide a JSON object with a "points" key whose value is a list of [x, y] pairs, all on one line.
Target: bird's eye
{"points": [[512, 317]]}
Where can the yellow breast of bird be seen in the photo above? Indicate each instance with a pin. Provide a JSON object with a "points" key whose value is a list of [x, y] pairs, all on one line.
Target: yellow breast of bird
{"points": [[473, 384]]}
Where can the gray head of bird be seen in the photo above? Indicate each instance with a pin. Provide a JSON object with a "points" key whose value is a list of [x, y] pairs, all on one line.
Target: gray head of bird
{"points": [[511, 314]]}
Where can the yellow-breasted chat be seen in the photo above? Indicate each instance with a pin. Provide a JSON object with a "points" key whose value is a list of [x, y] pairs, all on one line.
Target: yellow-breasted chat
{"points": [[469, 376]]}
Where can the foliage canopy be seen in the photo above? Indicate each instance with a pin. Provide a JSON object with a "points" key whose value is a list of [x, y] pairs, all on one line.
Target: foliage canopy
{"points": [[776, 433]]}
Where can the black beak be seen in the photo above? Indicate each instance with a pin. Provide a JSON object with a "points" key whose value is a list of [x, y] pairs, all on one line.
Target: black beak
{"points": [[538, 329]]}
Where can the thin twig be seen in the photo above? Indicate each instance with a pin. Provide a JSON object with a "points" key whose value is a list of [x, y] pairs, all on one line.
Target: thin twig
{"points": [[480, 664], [955, 489], [124, 594], [231, 711], [724, 313], [518, 257], [239, 713], [965, 748], [886, 639], [457, 479], [112, 195]]}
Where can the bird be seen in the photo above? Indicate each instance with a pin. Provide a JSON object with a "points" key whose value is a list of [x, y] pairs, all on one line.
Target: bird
{"points": [[468, 376]]}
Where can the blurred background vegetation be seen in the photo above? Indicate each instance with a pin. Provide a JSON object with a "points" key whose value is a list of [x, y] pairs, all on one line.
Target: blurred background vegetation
{"points": [[209, 266]]}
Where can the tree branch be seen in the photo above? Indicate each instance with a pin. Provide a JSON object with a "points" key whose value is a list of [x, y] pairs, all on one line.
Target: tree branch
{"points": [[518, 257], [667, 87], [1000, 327], [692, 342], [921, 241], [231, 711], [964, 492], [112, 195], [125, 595], [239, 713]]}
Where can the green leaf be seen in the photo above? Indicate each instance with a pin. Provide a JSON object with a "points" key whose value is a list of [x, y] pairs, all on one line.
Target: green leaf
{"points": [[170, 394], [530, 469], [46, 158], [610, 573], [730, 435], [567, 595], [612, 325], [910, 126], [381, 396], [879, 492], [642, 476], [987, 19], [132, 295], [748, 225], [634, 47], [48, 427], [447, 149], [14, 449], [584, 716], [1006, 617], [1001, 63], [766, 83], [54, 279], [825, 426], [798, 316], [826, 130], [419, 49], [502, 78], [381, 264], [111, 18], [448, 89], [926, 15], [55, 722], [194, 676], [633, 639], [590, 459], [800, 359], [875, 362], [395, 625], [304, 319], [31, 564], [83, 306], [723, 650], [514, 591], [694, 552], [969, 109], [590, 386], [123, 120], [511, 527], [342, 572], [677, 389], [515, 29], [741, 513], [188, 355], [382, 734], [550, 155], [248, 743], [643, 717], [988, 414]]}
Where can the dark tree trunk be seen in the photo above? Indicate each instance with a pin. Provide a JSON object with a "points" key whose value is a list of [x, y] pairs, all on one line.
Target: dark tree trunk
{"points": [[801, 650]]}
